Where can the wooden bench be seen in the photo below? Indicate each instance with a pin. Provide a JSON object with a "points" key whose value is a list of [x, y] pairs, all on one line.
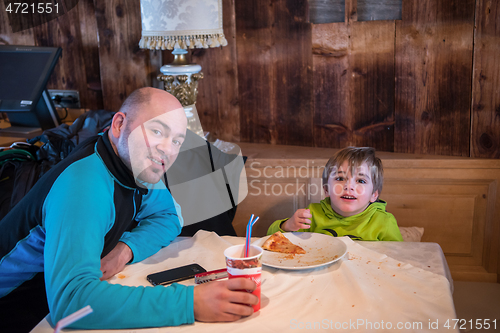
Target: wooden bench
{"points": [[454, 199]]}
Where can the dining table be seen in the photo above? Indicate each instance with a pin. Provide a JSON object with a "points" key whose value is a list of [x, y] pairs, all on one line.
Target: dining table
{"points": [[374, 286]]}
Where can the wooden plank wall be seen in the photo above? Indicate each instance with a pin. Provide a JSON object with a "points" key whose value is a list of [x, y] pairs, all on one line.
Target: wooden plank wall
{"points": [[76, 33], [274, 71], [426, 84], [354, 84], [485, 136], [218, 103], [434, 44]]}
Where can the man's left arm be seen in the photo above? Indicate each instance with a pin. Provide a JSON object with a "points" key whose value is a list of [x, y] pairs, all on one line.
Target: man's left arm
{"points": [[160, 222]]}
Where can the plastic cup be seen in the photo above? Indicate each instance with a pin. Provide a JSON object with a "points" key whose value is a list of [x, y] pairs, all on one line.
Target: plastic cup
{"points": [[250, 267]]}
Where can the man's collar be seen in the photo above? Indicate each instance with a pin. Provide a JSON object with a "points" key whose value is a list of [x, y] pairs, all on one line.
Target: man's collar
{"points": [[122, 174]]}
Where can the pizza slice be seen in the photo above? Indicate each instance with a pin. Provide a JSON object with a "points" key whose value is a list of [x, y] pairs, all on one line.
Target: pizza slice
{"points": [[277, 242]]}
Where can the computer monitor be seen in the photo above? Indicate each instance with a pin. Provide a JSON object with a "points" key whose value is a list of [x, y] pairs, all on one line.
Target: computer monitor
{"points": [[24, 72]]}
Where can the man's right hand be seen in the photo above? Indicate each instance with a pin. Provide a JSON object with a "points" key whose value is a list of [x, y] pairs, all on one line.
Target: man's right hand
{"points": [[224, 300], [299, 220]]}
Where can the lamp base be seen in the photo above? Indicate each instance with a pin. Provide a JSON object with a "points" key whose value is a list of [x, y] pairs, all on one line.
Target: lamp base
{"points": [[174, 70], [180, 66], [181, 80]]}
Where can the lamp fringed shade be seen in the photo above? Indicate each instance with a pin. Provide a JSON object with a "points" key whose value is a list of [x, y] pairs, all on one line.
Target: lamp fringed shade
{"points": [[181, 24]]}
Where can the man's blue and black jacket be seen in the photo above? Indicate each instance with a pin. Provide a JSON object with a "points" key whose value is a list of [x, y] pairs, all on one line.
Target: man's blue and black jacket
{"points": [[73, 217]]}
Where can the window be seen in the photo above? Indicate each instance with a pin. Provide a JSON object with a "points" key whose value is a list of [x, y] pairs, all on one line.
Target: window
{"points": [[329, 11]]}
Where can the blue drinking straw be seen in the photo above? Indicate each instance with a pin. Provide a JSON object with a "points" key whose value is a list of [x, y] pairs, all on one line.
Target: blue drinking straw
{"points": [[249, 234]]}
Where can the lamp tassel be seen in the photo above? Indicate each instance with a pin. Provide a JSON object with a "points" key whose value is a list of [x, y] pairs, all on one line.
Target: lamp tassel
{"points": [[184, 42]]}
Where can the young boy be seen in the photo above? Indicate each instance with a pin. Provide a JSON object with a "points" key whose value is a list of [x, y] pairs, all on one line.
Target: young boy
{"points": [[352, 181]]}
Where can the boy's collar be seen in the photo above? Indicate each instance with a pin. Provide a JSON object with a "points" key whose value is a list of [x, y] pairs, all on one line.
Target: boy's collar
{"points": [[326, 204]]}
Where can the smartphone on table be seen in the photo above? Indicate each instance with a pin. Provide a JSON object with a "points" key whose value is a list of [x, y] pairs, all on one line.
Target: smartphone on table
{"points": [[175, 274]]}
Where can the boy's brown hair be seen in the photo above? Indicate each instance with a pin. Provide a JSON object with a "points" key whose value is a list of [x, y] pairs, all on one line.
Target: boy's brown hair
{"points": [[355, 157]]}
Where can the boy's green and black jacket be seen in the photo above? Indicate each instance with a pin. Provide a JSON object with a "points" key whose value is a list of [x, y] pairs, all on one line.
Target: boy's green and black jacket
{"points": [[374, 223]]}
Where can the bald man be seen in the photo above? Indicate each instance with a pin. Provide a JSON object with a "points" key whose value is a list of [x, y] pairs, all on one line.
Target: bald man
{"points": [[97, 210]]}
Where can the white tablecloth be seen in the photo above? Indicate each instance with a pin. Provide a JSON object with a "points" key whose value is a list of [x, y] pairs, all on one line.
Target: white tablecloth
{"points": [[428, 256], [366, 291]]}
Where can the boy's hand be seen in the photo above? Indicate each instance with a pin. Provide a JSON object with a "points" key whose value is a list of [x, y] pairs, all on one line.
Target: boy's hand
{"points": [[299, 220], [224, 300]]}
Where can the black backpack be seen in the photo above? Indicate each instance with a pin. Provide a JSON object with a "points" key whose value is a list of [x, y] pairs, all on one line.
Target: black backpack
{"points": [[19, 171], [22, 164]]}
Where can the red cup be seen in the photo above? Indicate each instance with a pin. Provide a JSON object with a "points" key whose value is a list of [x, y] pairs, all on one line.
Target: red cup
{"points": [[246, 267]]}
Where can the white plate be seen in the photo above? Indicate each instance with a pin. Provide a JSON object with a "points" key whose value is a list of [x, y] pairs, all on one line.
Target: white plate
{"points": [[320, 250]]}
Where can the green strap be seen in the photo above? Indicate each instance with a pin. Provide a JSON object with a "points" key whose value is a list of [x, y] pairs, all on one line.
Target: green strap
{"points": [[17, 155]]}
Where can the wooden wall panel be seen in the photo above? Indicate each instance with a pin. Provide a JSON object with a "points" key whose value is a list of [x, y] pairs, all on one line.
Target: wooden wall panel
{"points": [[294, 74], [284, 80], [7, 37], [354, 84], [76, 33], [90, 52], [331, 48], [124, 66], [485, 136], [274, 71], [255, 51], [371, 92], [433, 74], [428, 203], [217, 101]]}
